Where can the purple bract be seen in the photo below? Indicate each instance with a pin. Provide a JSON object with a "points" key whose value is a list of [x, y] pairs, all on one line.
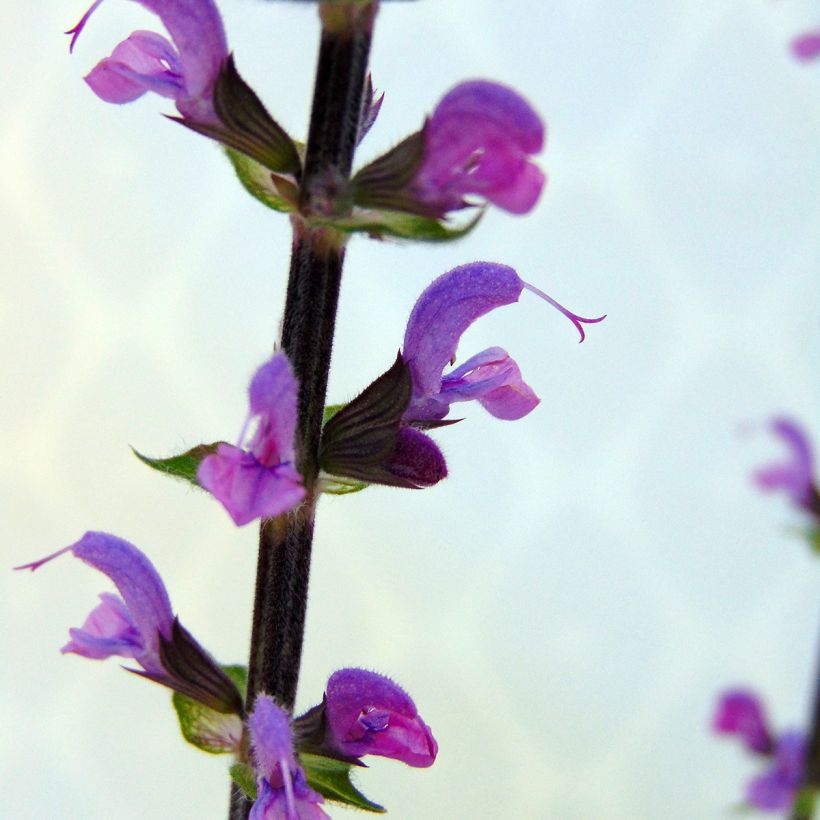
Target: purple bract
{"points": [[149, 62], [261, 481]]}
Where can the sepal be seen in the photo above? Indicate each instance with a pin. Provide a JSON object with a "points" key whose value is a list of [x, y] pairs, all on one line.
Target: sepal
{"points": [[378, 224], [244, 776], [813, 537], [384, 183], [331, 778], [191, 671], [246, 125], [274, 191], [371, 105], [183, 466], [207, 729], [360, 438]]}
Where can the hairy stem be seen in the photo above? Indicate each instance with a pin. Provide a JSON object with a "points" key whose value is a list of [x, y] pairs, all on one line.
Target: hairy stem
{"points": [[285, 542], [810, 783]]}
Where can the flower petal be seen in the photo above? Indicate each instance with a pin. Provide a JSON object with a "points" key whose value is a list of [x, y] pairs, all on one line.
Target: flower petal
{"points": [[775, 789], [139, 584], [740, 712], [283, 790], [197, 31], [417, 459], [247, 489], [273, 394], [441, 315], [795, 476], [494, 379], [108, 630], [478, 141], [271, 738], [807, 46], [369, 714]]}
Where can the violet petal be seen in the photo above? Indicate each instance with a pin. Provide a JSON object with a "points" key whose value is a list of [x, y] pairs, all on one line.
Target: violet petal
{"points": [[740, 712], [441, 315], [369, 714]]}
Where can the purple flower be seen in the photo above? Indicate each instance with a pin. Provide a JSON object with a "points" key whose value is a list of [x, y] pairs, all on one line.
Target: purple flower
{"points": [[440, 316], [795, 475], [774, 790], [141, 625], [368, 714], [130, 626], [261, 481], [807, 46], [479, 141], [740, 712], [283, 793], [149, 62]]}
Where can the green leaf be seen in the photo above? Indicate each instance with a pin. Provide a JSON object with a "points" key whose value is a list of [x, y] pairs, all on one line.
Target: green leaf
{"points": [[242, 774], [331, 778], [184, 465], [260, 183], [400, 225]]}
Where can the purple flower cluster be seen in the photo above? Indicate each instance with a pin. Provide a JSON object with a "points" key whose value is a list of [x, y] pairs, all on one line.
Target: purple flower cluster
{"points": [[362, 713]]}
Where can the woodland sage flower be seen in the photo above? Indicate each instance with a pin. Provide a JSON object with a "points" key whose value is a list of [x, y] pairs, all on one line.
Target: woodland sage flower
{"points": [[369, 714], [146, 61], [260, 481], [795, 475], [140, 625], [441, 315]]}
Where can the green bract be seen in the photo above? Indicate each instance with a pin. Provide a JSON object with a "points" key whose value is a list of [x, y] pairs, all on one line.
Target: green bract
{"points": [[331, 778], [183, 466], [211, 731]]}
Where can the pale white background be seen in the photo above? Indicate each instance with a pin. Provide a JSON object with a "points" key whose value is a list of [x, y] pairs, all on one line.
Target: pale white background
{"points": [[565, 606]]}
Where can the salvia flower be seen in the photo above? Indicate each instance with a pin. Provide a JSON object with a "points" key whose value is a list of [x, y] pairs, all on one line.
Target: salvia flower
{"points": [[369, 714], [441, 315], [364, 713], [261, 480], [140, 625], [355, 442], [478, 142], [795, 475], [185, 70], [740, 712], [476, 147], [282, 791], [806, 47]]}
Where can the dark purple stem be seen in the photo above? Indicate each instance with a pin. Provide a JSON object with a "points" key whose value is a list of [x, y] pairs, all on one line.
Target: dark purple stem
{"points": [[283, 568], [804, 805]]}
